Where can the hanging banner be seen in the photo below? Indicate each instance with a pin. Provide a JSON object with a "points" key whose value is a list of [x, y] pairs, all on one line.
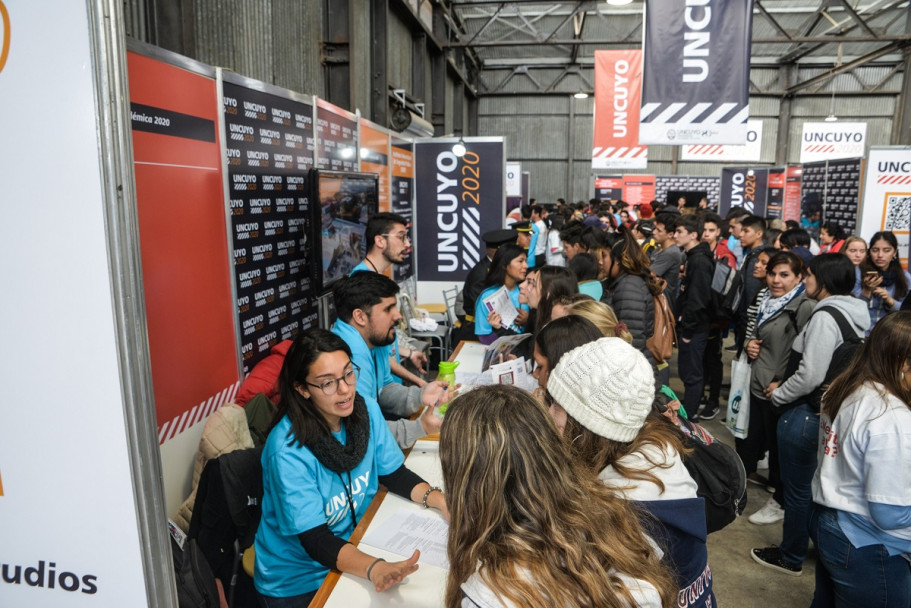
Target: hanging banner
{"points": [[609, 187], [832, 141], [69, 509], [270, 145], [638, 189], [751, 152], [336, 131], [775, 202], [186, 270], [793, 187], [887, 195], [402, 169], [744, 187], [695, 74], [375, 158], [618, 81], [458, 199]]}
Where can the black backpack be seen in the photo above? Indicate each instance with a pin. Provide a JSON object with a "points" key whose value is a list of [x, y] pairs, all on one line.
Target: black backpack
{"points": [[727, 291], [721, 479], [195, 581]]}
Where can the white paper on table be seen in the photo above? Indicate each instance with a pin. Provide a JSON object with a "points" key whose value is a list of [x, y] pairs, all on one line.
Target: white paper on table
{"points": [[499, 302], [513, 372], [406, 531], [469, 379]]}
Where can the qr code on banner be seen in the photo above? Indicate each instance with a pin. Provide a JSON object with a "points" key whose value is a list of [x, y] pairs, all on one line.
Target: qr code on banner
{"points": [[898, 213]]}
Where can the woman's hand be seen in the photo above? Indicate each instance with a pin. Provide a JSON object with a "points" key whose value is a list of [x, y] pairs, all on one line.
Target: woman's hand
{"points": [[430, 422], [753, 347], [387, 574], [495, 319], [884, 296]]}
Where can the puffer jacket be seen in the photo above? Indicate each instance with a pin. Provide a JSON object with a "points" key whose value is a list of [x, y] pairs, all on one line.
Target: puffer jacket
{"points": [[777, 335], [633, 304]]}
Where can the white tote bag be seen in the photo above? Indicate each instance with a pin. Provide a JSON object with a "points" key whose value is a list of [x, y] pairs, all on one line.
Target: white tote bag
{"points": [[738, 415]]}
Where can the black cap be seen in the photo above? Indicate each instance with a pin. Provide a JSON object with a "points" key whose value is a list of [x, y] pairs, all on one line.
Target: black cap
{"points": [[523, 226], [495, 238]]}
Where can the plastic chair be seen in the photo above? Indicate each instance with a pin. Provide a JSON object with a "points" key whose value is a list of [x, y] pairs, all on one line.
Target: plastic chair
{"points": [[439, 337]]}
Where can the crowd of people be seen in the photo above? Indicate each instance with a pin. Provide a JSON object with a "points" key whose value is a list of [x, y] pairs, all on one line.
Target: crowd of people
{"points": [[577, 494]]}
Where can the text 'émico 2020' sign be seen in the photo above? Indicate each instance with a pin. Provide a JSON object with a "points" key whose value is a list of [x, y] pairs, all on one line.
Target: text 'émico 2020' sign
{"points": [[695, 74], [458, 199], [832, 140]]}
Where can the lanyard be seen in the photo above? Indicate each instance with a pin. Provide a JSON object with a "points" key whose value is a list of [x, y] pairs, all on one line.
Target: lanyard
{"points": [[348, 496]]}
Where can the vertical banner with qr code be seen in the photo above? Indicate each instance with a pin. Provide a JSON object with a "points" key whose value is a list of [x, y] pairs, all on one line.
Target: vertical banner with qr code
{"points": [[887, 196]]}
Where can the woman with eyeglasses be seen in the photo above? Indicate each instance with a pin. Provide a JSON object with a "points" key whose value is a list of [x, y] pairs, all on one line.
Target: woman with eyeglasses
{"points": [[323, 461]]}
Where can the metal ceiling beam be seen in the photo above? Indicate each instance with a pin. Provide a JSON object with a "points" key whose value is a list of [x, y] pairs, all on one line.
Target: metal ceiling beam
{"points": [[772, 20], [857, 19], [633, 43], [895, 46]]}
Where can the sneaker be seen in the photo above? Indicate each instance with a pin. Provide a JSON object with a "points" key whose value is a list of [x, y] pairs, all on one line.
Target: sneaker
{"points": [[709, 412], [759, 480], [770, 557], [764, 463], [770, 513]]}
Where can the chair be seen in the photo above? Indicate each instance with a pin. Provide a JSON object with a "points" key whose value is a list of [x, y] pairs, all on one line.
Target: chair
{"points": [[439, 337]]}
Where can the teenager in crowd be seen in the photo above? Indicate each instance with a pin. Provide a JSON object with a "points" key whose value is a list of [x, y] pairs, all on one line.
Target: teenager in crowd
{"points": [[782, 312], [668, 258], [694, 319], [856, 250], [830, 278], [474, 282], [507, 269], [733, 219], [529, 527], [325, 457], [831, 237], [861, 519], [600, 395], [885, 283], [752, 230], [542, 287], [587, 269], [630, 287]]}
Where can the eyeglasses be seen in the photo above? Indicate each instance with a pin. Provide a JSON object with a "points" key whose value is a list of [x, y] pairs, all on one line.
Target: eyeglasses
{"points": [[402, 236], [330, 387]]}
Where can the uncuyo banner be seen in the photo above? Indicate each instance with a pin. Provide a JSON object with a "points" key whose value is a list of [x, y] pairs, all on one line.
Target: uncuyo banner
{"points": [[744, 187], [458, 199], [695, 73], [887, 195], [832, 141], [618, 81]]}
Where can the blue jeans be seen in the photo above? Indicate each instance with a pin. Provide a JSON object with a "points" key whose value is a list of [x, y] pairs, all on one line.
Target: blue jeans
{"points": [[690, 369], [848, 577], [798, 435], [297, 601]]}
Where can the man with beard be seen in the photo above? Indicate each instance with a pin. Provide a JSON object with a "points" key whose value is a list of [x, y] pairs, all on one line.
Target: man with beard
{"points": [[387, 243], [367, 315]]}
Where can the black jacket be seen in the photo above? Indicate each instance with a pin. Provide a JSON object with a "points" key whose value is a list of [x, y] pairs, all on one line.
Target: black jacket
{"points": [[695, 299], [474, 285], [751, 285], [633, 304]]}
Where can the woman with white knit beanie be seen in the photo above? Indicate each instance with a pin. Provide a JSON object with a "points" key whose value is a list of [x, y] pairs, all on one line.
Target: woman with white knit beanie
{"points": [[600, 395]]}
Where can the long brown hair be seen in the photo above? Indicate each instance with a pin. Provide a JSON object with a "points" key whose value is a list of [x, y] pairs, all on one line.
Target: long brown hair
{"points": [[627, 252], [881, 359], [540, 530]]}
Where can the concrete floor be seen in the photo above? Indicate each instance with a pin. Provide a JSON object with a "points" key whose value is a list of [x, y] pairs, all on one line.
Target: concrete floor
{"points": [[738, 580]]}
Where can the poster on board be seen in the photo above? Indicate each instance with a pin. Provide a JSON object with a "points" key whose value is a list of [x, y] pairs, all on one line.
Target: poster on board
{"points": [[269, 147], [832, 141], [374, 152], [458, 199], [887, 195], [775, 197], [402, 187], [609, 187], [618, 82], [744, 187], [793, 188], [182, 228], [336, 132], [638, 189], [830, 190], [69, 523]]}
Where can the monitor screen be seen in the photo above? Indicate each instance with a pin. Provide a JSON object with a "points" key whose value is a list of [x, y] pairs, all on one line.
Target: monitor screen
{"points": [[346, 201]]}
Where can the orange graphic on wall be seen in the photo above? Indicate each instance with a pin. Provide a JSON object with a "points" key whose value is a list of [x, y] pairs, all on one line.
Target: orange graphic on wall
{"points": [[1, 485], [4, 46]]}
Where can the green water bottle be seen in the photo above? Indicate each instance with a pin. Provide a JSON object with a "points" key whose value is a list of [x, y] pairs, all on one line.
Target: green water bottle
{"points": [[447, 374]]}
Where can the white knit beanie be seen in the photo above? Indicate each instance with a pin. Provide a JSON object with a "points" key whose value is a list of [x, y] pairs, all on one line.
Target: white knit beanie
{"points": [[607, 386]]}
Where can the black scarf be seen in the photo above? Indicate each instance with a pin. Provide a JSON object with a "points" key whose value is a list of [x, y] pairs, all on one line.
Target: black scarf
{"points": [[340, 458]]}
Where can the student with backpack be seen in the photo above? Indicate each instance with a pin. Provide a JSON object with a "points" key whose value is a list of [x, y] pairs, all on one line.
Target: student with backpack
{"points": [[820, 352], [752, 231], [694, 314], [711, 361]]}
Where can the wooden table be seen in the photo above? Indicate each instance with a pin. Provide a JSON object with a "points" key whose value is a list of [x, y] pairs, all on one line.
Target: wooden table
{"points": [[425, 587]]}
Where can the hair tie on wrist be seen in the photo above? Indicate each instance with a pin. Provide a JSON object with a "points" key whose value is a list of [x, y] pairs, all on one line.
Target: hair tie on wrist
{"points": [[370, 567]]}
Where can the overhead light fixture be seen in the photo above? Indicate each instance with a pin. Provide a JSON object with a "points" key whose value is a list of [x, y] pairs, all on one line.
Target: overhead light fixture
{"points": [[581, 95], [458, 148], [619, 2]]}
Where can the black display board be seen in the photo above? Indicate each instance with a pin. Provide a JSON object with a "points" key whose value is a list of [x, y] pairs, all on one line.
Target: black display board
{"points": [[273, 223], [831, 189], [336, 131], [402, 188], [744, 187]]}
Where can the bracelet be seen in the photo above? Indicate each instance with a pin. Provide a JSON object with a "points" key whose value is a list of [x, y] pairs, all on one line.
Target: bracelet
{"points": [[427, 495], [370, 567]]}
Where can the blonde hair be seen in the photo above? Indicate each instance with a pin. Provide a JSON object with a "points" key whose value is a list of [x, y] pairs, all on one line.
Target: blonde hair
{"points": [[603, 317], [539, 527]]}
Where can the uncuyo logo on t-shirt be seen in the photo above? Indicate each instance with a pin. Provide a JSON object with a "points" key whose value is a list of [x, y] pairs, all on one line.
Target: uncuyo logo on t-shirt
{"points": [[337, 506]]}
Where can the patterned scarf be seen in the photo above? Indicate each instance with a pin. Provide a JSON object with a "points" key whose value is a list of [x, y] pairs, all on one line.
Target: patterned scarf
{"points": [[769, 307]]}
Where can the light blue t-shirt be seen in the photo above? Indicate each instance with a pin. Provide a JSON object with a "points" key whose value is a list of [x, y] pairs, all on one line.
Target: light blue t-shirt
{"points": [[392, 349], [481, 326], [373, 362], [300, 494]]}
